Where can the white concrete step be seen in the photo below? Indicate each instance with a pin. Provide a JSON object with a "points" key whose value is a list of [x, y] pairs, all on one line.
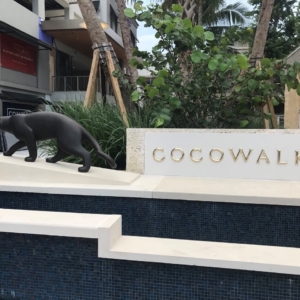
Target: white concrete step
{"points": [[111, 244], [51, 223]]}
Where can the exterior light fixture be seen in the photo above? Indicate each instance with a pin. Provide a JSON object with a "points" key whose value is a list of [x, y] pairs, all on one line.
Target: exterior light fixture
{"points": [[103, 25]]}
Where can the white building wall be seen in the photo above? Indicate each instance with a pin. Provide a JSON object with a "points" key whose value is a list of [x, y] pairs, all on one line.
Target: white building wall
{"points": [[19, 17]]}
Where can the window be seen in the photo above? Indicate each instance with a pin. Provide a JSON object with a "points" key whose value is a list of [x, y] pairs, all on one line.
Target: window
{"points": [[63, 65], [133, 39], [113, 20]]}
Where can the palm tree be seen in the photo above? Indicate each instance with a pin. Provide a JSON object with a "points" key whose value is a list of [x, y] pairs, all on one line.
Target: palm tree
{"points": [[211, 12], [126, 37], [232, 14], [91, 19], [98, 37]]}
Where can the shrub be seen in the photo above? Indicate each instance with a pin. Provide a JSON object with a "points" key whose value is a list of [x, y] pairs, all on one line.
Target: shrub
{"points": [[198, 81]]}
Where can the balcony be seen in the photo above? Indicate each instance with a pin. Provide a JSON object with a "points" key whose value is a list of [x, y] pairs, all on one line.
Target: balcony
{"points": [[72, 88], [72, 83]]}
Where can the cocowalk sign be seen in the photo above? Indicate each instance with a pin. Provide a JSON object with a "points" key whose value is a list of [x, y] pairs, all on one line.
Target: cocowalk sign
{"points": [[262, 154], [17, 55]]}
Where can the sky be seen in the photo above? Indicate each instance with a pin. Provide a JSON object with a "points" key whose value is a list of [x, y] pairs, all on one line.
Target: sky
{"points": [[146, 35]]}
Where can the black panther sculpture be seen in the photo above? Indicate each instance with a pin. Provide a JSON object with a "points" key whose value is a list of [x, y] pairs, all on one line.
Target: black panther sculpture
{"points": [[41, 126]]}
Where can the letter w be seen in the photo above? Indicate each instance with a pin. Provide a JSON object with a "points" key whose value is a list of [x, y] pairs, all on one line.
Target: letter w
{"points": [[235, 157]]}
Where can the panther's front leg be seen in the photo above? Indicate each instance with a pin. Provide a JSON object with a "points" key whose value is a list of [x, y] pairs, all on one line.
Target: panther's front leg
{"points": [[15, 147]]}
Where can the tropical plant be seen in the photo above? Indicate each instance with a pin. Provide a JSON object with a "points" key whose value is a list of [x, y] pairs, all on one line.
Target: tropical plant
{"points": [[218, 89], [283, 33], [107, 127], [211, 13], [232, 14]]}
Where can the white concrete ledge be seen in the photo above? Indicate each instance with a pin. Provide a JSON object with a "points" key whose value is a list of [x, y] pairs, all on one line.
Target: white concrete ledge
{"points": [[111, 244], [15, 169], [61, 178], [52, 223], [207, 254]]}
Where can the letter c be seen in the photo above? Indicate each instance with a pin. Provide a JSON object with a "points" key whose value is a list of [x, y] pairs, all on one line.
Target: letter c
{"points": [[191, 155], [154, 152]]}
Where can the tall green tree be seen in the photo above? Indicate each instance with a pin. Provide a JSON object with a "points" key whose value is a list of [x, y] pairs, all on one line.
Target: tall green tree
{"points": [[211, 12], [284, 29], [200, 98], [127, 42]]}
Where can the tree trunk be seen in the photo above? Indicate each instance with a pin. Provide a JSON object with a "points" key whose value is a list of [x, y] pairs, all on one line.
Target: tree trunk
{"points": [[125, 31], [200, 12], [98, 36], [262, 30], [92, 22], [261, 38]]}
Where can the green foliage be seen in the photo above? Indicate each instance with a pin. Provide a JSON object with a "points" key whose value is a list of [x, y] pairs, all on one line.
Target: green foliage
{"points": [[135, 96], [284, 29], [176, 8], [198, 81], [107, 127], [209, 35], [129, 12]]}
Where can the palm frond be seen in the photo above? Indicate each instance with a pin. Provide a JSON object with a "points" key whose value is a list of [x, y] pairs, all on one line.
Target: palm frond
{"points": [[211, 6], [232, 14]]}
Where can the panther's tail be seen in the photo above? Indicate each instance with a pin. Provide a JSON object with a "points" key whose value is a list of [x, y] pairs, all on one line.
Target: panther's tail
{"points": [[97, 147]]}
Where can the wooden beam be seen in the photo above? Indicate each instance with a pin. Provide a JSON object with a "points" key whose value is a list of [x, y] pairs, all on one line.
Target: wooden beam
{"points": [[266, 122], [272, 112], [91, 89], [116, 88]]}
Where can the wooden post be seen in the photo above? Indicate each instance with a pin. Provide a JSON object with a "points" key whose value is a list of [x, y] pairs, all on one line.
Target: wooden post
{"points": [[266, 122], [91, 89], [116, 88], [272, 112], [291, 108]]}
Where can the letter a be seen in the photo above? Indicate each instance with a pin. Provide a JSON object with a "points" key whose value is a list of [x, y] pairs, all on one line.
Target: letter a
{"points": [[263, 155]]}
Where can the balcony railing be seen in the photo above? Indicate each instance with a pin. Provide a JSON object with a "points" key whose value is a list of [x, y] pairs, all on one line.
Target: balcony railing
{"points": [[72, 83]]}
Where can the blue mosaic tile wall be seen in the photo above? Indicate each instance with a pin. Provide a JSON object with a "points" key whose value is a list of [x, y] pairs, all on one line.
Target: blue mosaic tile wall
{"points": [[34, 267], [193, 220]]}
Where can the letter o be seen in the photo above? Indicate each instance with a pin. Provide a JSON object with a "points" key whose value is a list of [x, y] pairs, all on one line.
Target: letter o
{"points": [[154, 152], [182, 154], [216, 149], [191, 155]]}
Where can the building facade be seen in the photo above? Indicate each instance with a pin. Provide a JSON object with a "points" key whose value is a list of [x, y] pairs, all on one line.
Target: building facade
{"points": [[46, 52], [71, 60]]}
